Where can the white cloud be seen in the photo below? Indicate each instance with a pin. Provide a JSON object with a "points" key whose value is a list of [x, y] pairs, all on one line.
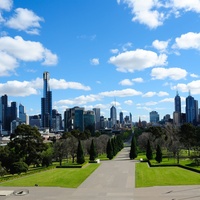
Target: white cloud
{"points": [[6, 5], [137, 60], [121, 93], [151, 94], [193, 87], [25, 20], [114, 51], [62, 84], [188, 41], [160, 45], [170, 100], [146, 12], [126, 82], [8, 64], [129, 102], [94, 61], [151, 103], [187, 5], [126, 46], [194, 75], [138, 80], [17, 88], [22, 50], [172, 73]]}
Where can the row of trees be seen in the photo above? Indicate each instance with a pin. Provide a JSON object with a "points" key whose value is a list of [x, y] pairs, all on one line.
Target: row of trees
{"points": [[170, 138]]}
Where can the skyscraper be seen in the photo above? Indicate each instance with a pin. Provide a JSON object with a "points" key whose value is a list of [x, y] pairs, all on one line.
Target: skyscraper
{"points": [[190, 109], [97, 118], [154, 117], [113, 116], [177, 103], [22, 114], [46, 103]]}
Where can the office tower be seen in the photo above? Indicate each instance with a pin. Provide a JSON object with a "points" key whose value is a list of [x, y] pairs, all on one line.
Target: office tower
{"points": [[78, 119], [154, 117], [35, 120], [190, 109], [22, 114], [177, 103], [46, 103], [56, 120], [113, 116], [121, 118], [97, 118], [89, 121], [196, 109], [4, 106]]}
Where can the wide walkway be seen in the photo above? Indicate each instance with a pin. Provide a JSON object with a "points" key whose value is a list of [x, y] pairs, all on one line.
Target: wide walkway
{"points": [[113, 180]]}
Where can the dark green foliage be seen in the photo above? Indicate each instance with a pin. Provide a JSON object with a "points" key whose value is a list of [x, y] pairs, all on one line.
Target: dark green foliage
{"points": [[80, 155], [149, 153], [18, 168], [158, 157], [93, 152], [114, 147], [109, 150], [27, 144], [47, 157], [133, 150]]}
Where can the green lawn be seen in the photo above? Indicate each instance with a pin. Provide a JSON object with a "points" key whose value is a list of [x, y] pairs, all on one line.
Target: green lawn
{"points": [[164, 176], [57, 177]]}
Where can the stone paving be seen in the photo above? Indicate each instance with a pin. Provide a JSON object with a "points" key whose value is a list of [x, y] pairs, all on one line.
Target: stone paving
{"points": [[113, 180]]}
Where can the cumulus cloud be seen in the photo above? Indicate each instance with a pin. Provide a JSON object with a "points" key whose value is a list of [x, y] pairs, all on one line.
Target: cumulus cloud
{"points": [[194, 75], [8, 64], [146, 12], [17, 49], [114, 51], [94, 61], [6, 5], [160, 45], [129, 102], [172, 73], [62, 84], [138, 80], [25, 20], [187, 5], [121, 93], [137, 60], [126, 82], [151, 94], [193, 87], [27, 88], [189, 40]]}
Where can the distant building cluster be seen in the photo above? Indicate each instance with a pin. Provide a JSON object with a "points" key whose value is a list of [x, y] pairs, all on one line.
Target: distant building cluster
{"points": [[76, 118]]}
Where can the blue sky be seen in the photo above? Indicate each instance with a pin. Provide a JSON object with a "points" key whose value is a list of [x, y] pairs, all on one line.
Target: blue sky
{"points": [[135, 54]]}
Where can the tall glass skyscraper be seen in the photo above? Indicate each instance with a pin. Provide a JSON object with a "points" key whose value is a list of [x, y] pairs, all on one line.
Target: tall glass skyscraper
{"points": [[113, 116], [46, 103], [190, 109], [177, 103]]}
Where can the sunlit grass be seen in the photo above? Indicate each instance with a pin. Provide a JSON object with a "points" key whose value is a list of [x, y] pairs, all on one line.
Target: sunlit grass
{"points": [[164, 176], [62, 177]]}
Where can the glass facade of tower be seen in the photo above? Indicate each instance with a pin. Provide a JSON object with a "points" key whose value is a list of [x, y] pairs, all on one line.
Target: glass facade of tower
{"points": [[97, 118], [113, 115], [154, 117], [46, 102], [190, 109], [177, 103]]}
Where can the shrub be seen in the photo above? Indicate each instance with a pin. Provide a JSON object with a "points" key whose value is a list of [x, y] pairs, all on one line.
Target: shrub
{"points": [[18, 168]]}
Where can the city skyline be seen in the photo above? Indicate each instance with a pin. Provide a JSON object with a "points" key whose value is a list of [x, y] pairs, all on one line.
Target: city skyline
{"points": [[124, 53]]}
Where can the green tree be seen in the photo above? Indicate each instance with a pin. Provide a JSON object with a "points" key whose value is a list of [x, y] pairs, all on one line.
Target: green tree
{"points": [[109, 150], [158, 157], [18, 168], [149, 153], [27, 144], [93, 152], [133, 150], [80, 154]]}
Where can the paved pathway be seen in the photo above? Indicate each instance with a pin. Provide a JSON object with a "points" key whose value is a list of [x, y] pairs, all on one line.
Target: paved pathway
{"points": [[113, 180]]}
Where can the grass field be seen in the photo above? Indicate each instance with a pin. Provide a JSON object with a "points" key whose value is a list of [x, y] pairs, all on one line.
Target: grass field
{"points": [[62, 177], [164, 176]]}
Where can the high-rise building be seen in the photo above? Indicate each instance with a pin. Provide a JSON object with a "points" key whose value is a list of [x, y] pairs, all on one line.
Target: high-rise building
{"points": [[22, 115], [113, 116], [4, 106], [89, 121], [190, 109], [154, 117], [177, 103], [121, 118], [97, 118], [46, 103]]}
